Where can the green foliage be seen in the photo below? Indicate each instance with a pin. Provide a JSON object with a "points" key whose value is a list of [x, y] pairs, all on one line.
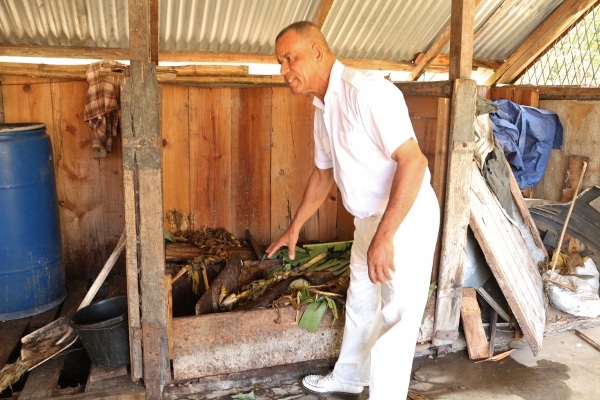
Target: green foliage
{"points": [[168, 235]]}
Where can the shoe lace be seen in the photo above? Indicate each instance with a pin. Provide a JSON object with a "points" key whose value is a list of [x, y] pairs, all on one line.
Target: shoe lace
{"points": [[327, 378]]}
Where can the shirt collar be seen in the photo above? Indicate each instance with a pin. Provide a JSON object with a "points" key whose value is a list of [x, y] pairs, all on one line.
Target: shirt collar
{"points": [[334, 85]]}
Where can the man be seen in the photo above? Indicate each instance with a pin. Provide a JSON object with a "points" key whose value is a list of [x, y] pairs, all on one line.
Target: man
{"points": [[364, 141]]}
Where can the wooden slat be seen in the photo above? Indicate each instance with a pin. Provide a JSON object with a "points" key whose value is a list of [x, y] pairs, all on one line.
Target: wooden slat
{"points": [[292, 162], [130, 187], [477, 344], [524, 96], [176, 155], [509, 259], [91, 201], [251, 167], [210, 157], [226, 343], [43, 380]]}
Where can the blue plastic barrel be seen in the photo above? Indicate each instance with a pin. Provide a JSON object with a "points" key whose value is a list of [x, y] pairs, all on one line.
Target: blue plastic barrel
{"points": [[32, 276]]}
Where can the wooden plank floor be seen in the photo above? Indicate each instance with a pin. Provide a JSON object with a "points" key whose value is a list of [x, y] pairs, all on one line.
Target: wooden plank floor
{"points": [[69, 375]]}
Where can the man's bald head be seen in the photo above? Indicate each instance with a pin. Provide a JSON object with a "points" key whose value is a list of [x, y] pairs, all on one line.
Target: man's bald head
{"points": [[307, 31]]}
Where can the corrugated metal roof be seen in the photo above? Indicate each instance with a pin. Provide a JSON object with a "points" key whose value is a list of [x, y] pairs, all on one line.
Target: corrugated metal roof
{"points": [[382, 30], [76, 23], [499, 40], [248, 26], [385, 30]]}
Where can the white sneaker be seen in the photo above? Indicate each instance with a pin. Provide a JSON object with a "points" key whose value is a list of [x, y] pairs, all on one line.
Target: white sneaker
{"points": [[328, 384]]}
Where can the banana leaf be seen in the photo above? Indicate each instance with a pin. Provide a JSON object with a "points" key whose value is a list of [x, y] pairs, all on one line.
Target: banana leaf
{"points": [[311, 318]]}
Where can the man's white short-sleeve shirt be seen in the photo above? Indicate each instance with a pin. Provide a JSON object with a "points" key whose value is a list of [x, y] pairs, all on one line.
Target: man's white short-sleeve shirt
{"points": [[363, 120]]}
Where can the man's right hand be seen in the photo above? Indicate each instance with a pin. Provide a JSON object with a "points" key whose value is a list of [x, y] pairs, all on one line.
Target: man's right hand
{"points": [[289, 238]]}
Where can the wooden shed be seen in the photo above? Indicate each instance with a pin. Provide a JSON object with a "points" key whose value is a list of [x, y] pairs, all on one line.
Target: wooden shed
{"points": [[206, 141]]}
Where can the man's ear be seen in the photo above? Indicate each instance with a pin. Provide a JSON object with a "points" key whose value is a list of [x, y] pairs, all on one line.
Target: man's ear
{"points": [[317, 51]]}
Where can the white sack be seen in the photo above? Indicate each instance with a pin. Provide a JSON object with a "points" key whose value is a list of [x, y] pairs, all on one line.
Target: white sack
{"points": [[584, 300]]}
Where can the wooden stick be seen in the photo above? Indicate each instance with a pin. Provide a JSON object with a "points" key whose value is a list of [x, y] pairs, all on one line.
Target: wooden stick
{"points": [[181, 272], [560, 283], [587, 340], [104, 272], [571, 206], [312, 262], [205, 278]]}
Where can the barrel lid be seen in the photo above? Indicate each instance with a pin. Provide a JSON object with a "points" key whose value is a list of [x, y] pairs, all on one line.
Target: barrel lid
{"points": [[21, 126]]}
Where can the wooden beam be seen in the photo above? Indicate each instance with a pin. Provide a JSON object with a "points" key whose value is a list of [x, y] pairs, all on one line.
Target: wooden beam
{"points": [[456, 213], [553, 27], [142, 174], [441, 62], [323, 12], [70, 72], [435, 88], [426, 59], [432, 52], [462, 20], [100, 53], [568, 93], [203, 75]]}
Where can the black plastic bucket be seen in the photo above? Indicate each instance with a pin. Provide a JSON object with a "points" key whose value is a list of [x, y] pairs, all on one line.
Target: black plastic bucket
{"points": [[102, 328]]}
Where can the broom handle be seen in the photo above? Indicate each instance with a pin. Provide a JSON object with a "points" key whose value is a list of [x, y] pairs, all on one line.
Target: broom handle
{"points": [[564, 229], [103, 273]]}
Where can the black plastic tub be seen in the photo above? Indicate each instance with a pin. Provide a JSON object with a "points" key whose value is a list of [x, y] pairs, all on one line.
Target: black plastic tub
{"points": [[103, 330]]}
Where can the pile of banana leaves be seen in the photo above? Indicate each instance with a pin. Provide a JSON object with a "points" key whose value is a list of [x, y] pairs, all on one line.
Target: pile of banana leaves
{"points": [[314, 300]]}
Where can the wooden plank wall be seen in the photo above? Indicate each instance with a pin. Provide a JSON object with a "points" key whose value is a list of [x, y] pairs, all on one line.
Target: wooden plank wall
{"points": [[90, 191], [240, 158], [236, 158]]}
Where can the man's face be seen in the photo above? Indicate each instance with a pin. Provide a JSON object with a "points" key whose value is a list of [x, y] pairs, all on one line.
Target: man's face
{"points": [[298, 65]]}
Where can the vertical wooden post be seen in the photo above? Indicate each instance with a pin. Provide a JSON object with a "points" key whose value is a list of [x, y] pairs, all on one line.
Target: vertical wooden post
{"points": [[456, 220], [462, 32], [142, 174]]}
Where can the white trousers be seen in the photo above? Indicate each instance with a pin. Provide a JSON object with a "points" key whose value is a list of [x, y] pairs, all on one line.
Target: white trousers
{"points": [[383, 320]]}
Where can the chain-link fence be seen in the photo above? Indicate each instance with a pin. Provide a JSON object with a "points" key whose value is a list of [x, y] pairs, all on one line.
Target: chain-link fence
{"points": [[573, 60]]}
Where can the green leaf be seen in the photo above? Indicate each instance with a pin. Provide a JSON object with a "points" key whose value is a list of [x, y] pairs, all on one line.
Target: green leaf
{"points": [[312, 316], [168, 235]]}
